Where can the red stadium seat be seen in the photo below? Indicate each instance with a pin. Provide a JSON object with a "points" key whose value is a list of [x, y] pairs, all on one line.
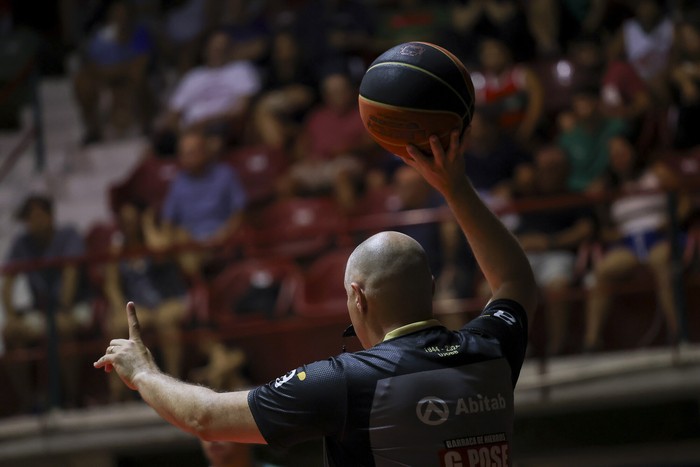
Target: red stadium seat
{"points": [[259, 168], [323, 291], [253, 290], [298, 227]]}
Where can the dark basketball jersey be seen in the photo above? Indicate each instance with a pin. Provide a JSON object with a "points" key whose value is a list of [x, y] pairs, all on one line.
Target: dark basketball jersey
{"points": [[425, 396]]}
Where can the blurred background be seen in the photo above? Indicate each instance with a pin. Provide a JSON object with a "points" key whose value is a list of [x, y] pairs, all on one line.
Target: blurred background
{"points": [[206, 159]]}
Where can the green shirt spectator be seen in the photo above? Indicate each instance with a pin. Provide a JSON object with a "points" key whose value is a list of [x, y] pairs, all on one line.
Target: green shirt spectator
{"points": [[586, 141]]}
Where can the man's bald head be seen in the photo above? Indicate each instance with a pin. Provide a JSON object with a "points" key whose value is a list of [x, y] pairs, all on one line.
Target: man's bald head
{"points": [[393, 271]]}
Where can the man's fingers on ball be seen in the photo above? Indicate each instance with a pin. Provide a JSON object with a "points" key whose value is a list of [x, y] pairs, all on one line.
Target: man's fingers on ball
{"points": [[436, 146]]}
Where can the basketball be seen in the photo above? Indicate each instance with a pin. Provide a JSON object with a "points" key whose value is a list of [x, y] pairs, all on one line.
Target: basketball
{"points": [[412, 91]]}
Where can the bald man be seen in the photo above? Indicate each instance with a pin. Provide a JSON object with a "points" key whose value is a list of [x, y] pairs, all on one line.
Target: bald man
{"points": [[418, 394]]}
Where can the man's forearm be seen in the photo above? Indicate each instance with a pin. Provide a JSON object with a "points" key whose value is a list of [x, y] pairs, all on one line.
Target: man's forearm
{"points": [[199, 410], [184, 405], [497, 251]]}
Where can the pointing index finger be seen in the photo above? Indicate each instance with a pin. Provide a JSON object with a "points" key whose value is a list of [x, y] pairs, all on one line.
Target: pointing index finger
{"points": [[133, 320]]}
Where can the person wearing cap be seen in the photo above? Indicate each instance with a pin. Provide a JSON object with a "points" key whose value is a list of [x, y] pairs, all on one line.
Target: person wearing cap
{"points": [[418, 394], [62, 290]]}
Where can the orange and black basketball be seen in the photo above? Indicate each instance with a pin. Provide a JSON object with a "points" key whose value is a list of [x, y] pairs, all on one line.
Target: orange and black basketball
{"points": [[412, 91]]}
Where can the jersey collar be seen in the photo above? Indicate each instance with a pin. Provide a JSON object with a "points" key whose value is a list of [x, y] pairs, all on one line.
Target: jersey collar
{"points": [[412, 327]]}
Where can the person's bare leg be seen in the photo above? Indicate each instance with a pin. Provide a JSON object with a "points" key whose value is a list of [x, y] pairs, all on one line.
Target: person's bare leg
{"points": [[86, 87], [613, 267], [169, 317], [122, 107], [557, 315], [660, 263], [544, 24], [267, 123]]}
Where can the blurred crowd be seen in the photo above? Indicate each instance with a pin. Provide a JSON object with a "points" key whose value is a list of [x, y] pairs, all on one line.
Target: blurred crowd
{"points": [[252, 105]]}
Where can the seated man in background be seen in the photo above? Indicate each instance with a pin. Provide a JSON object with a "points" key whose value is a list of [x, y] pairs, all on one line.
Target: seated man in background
{"points": [[550, 239], [205, 202], [332, 145], [154, 282], [117, 59], [216, 94], [62, 290]]}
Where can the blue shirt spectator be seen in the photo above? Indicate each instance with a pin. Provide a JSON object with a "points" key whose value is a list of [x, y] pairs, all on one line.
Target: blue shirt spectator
{"points": [[46, 284], [106, 48], [202, 204]]}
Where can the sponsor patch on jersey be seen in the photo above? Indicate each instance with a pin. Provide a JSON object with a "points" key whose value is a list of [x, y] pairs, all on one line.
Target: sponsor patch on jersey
{"points": [[505, 316], [476, 451], [283, 379]]}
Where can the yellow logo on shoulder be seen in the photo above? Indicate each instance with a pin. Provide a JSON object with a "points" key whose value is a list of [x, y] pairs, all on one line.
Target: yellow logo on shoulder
{"points": [[301, 375]]}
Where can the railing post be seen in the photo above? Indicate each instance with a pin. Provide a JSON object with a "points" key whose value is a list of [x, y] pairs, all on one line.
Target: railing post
{"points": [[54, 360], [37, 116], [677, 268]]}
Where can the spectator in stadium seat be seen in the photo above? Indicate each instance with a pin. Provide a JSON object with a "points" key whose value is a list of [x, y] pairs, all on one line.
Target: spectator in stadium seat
{"points": [[496, 164], [586, 142], [553, 23], [511, 91], [685, 83], [154, 282], [64, 290], [216, 94], [494, 161], [473, 20], [333, 146], [206, 200], [550, 238], [288, 93], [635, 233], [247, 25], [624, 94], [116, 59], [645, 41], [409, 20], [184, 26], [337, 31]]}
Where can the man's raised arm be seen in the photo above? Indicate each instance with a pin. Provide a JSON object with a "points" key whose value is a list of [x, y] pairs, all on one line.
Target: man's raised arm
{"points": [[497, 251]]}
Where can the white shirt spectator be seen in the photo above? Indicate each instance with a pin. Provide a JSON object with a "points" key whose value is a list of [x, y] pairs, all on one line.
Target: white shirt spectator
{"points": [[648, 52], [206, 92]]}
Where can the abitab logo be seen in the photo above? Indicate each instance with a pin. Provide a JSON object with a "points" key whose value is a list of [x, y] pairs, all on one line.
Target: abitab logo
{"points": [[432, 411]]}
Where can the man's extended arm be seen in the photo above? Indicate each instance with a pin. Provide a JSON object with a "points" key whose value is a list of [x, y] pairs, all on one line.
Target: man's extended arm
{"points": [[498, 253], [195, 409]]}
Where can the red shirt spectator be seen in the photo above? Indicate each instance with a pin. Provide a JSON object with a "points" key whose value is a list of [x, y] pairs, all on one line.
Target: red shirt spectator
{"points": [[332, 132]]}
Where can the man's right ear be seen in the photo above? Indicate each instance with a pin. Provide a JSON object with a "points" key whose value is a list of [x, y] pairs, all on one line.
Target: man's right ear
{"points": [[360, 299]]}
